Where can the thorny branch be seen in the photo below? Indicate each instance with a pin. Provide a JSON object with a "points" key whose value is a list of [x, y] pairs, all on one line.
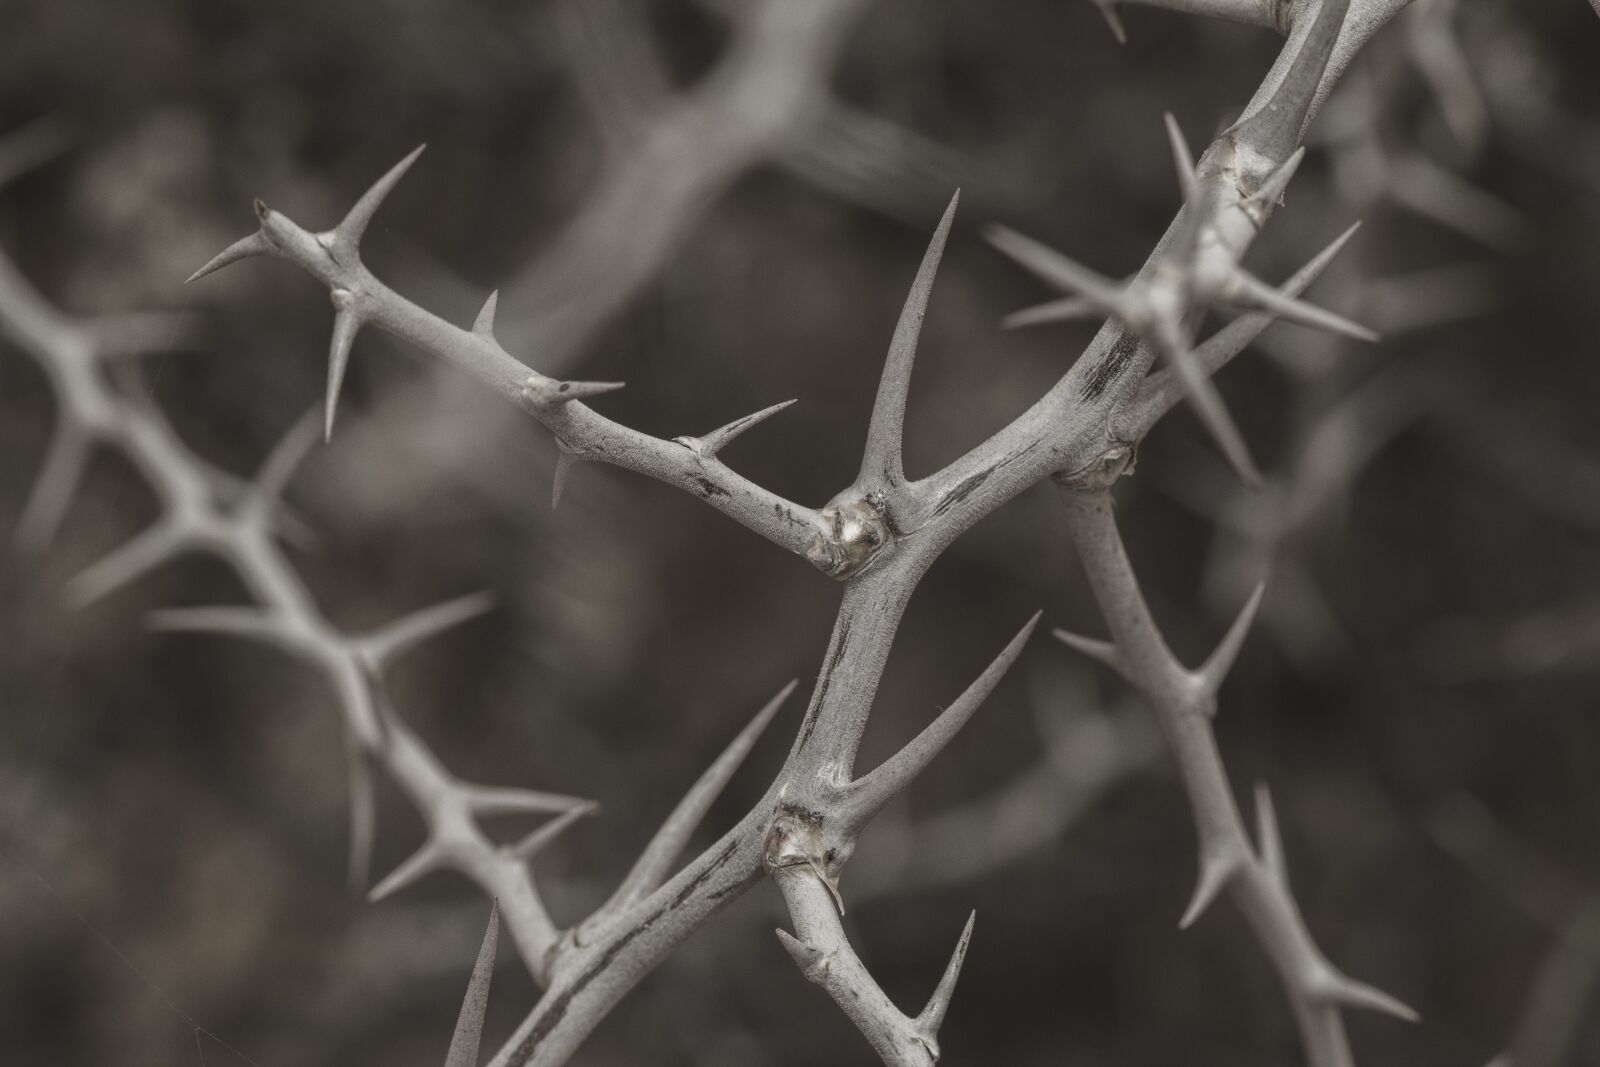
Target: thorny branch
{"points": [[878, 536]]}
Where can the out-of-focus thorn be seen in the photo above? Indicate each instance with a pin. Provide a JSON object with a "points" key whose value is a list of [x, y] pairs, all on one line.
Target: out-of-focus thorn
{"points": [[244, 248], [501, 800], [363, 819], [1436, 45], [1269, 842], [346, 237], [147, 550], [346, 324], [1270, 195], [1333, 987], [812, 961], [1057, 269], [57, 483], [33, 145], [1108, 11], [422, 862], [1104, 652], [656, 861], [1183, 159], [1215, 670], [1066, 309], [1216, 871], [469, 1023], [1213, 413], [718, 439], [385, 644], [1247, 289], [932, 1017], [247, 621], [266, 491], [565, 461], [536, 842], [882, 461], [483, 326], [1443, 196]]}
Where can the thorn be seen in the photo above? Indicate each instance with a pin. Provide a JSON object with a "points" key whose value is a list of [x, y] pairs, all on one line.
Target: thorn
{"points": [[33, 145], [469, 1024], [1101, 651], [1220, 662], [499, 800], [1108, 9], [1246, 288], [882, 462], [346, 324], [363, 820], [1215, 873], [1270, 194], [718, 439], [867, 795], [483, 326], [422, 862], [812, 961], [146, 551], [346, 237], [1270, 842], [565, 461], [536, 842], [281, 463], [1336, 988], [1065, 309], [932, 1017], [654, 863], [394, 639], [539, 391], [57, 483], [1183, 159], [1214, 416], [244, 248], [246, 621], [1057, 269]]}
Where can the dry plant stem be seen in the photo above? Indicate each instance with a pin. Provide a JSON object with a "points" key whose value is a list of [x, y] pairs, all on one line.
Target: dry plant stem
{"points": [[1254, 877], [879, 536]]}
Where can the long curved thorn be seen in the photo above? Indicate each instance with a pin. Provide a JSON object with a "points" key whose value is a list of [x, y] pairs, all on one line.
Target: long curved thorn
{"points": [[347, 235], [244, 248], [346, 324], [867, 795], [394, 639], [1057, 269], [932, 1016], [718, 439], [882, 461], [1216, 871], [1247, 289], [536, 842], [56, 485], [146, 551], [655, 862], [483, 325], [1220, 662], [469, 1023]]}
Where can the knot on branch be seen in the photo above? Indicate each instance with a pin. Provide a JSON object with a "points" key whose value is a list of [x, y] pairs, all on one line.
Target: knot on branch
{"points": [[796, 839], [1102, 472], [854, 532]]}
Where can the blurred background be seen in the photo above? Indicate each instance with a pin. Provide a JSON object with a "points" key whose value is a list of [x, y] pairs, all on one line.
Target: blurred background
{"points": [[723, 204]]}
